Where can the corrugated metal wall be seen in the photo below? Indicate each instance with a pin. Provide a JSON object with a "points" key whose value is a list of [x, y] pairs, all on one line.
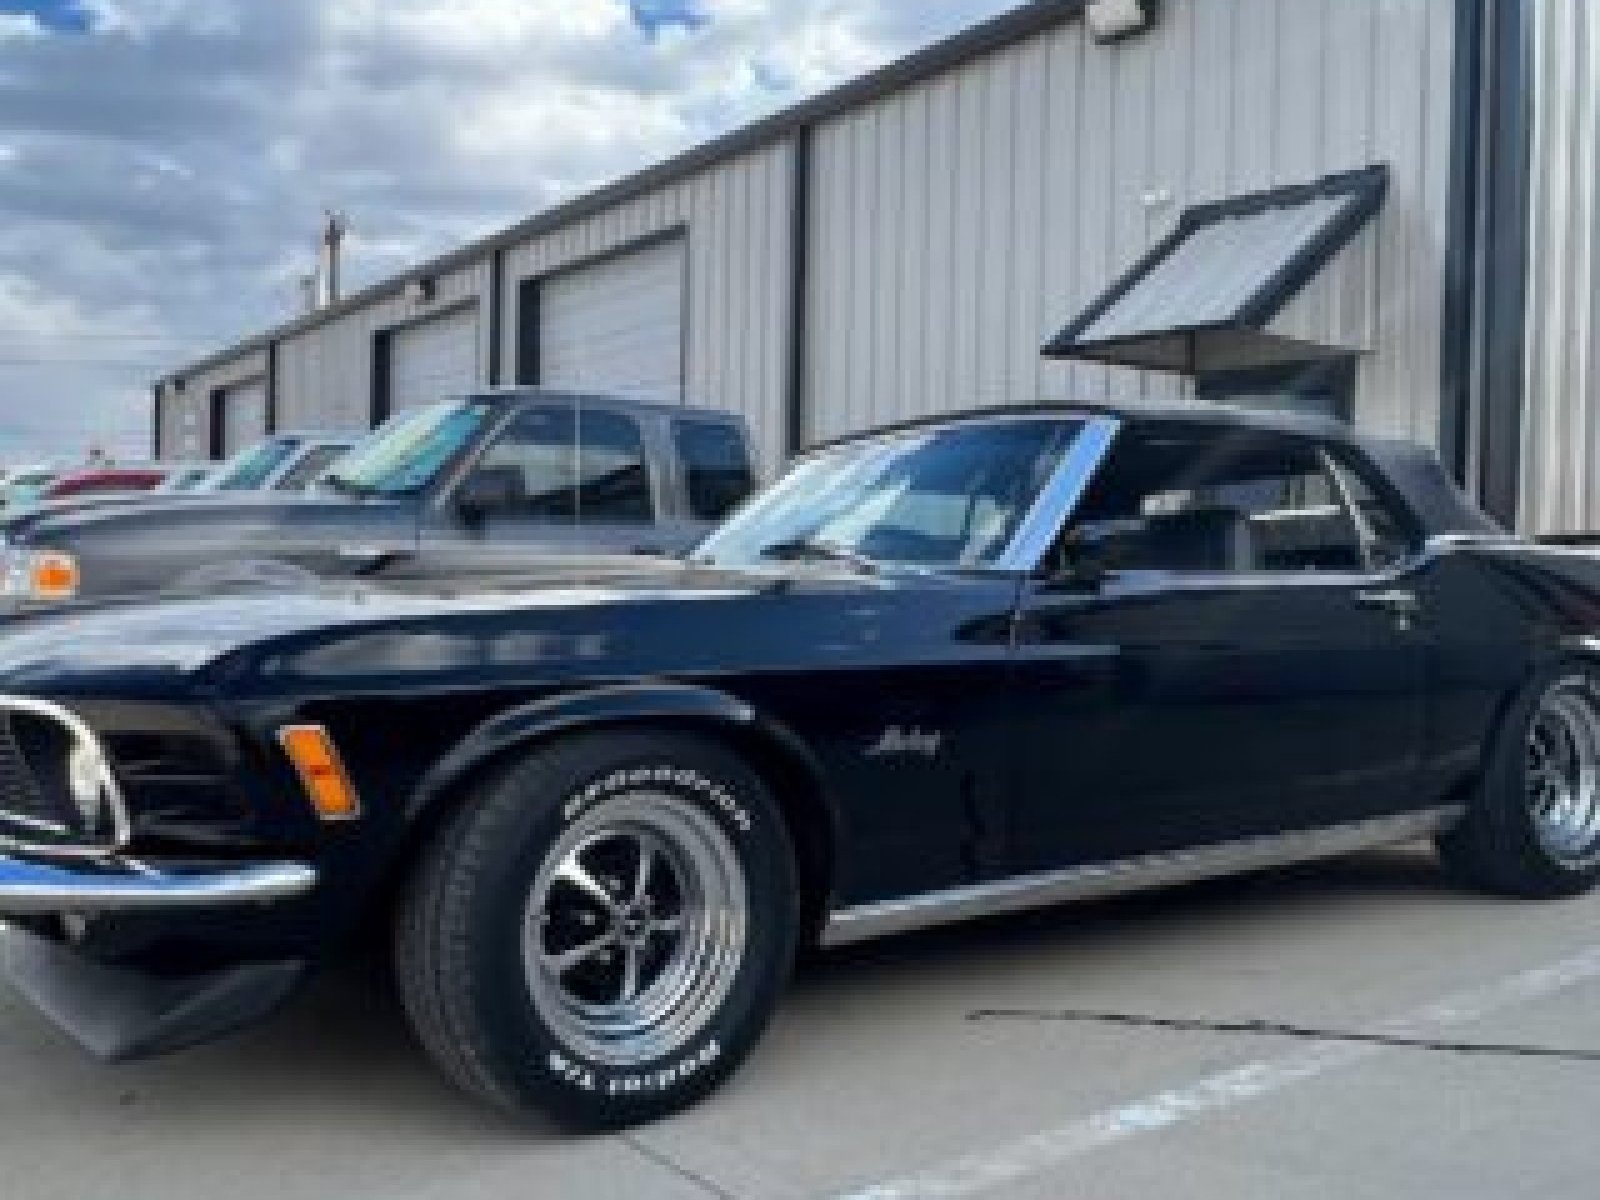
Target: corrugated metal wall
{"points": [[1561, 429], [737, 216], [325, 373], [960, 223], [186, 414]]}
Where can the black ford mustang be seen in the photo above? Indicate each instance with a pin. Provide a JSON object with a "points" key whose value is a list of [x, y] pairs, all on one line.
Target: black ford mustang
{"points": [[948, 670]]}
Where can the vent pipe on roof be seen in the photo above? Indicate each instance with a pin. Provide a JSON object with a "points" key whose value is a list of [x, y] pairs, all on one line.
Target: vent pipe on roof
{"points": [[332, 240]]}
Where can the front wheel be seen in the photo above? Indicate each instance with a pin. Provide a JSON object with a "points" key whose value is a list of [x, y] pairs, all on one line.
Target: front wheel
{"points": [[1533, 825], [603, 930]]}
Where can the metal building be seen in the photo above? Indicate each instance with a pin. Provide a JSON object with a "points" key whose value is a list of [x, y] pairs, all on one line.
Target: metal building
{"points": [[1385, 209]]}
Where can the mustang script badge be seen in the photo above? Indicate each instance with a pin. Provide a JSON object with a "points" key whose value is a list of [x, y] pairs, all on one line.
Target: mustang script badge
{"points": [[897, 742]]}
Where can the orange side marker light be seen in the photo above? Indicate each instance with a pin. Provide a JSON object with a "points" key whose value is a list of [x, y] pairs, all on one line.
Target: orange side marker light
{"points": [[322, 773]]}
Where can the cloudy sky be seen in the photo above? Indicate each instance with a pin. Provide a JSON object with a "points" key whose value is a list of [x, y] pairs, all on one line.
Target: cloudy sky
{"points": [[164, 163]]}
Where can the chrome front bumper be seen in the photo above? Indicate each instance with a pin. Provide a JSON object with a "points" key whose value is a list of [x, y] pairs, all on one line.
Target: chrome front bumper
{"points": [[31, 889]]}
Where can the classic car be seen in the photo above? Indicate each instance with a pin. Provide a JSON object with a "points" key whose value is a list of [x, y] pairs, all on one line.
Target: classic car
{"points": [[103, 481], [489, 483], [943, 671]]}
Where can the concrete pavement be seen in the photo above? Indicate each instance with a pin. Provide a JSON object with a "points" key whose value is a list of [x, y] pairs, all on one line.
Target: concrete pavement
{"points": [[879, 1077]]}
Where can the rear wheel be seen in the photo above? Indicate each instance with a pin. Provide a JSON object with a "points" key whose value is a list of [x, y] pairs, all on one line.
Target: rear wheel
{"points": [[603, 930], [1533, 827]]}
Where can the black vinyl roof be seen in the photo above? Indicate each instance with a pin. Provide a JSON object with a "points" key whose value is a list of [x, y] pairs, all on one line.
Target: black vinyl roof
{"points": [[1412, 471]]}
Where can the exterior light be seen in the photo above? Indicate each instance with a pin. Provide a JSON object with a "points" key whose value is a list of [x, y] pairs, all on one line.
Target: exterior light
{"points": [[321, 771], [1113, 20]]}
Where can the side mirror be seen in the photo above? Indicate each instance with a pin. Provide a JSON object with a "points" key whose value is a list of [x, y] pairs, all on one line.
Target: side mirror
{"points": [[487, 492], [1079, 565]]}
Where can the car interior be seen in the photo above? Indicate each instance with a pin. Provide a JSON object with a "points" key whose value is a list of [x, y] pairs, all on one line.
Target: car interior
{"points": [[1174, 501]]}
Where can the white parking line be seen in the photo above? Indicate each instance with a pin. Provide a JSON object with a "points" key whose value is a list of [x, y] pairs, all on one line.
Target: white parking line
{"points": [[975, 1174]]}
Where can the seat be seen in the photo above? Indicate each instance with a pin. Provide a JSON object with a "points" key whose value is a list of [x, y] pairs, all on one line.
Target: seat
{"points": [[1202, 539]]}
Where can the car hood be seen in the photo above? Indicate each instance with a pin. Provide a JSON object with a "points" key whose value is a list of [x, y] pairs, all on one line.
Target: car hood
{"points": [[84, 646], [68, 521]]}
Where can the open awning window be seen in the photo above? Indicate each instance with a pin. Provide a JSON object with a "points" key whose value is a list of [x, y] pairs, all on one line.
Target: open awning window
{"points": [[1202, 300]]}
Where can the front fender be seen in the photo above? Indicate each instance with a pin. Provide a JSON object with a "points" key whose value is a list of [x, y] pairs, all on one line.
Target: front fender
{"points": [[623, 704]]}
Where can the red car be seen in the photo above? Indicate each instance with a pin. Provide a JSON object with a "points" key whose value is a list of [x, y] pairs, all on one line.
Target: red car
{"points": [[99, 480]]}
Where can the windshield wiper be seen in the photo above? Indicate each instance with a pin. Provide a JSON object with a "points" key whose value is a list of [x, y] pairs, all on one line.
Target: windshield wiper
{"points": [[809, 549]]}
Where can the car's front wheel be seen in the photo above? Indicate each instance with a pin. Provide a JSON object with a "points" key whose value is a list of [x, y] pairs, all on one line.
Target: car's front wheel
{"points": [[602, 931], [1533, 825]]}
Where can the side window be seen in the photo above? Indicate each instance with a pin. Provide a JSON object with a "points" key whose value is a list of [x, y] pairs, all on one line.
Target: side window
{"points": [[534, 462], [1239, 502], [1390, 535], [716, 467], [613, 470]]}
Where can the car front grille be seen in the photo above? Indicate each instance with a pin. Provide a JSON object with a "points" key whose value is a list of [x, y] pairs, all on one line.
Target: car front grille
{"points": [[22, 796], [38, 813]]}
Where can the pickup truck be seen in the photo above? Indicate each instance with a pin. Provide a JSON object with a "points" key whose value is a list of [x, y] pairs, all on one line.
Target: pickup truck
{"points": [[489, 483]]}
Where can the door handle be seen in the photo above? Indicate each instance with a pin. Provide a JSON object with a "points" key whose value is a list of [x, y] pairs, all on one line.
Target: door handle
{"points": [[1399, 602]]}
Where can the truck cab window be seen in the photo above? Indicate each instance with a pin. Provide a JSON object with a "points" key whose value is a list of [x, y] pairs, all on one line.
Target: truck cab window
{"points": [[537, 456], [716, 467], [613, 473]]}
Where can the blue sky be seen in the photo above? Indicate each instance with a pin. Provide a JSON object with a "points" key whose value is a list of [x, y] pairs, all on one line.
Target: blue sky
{"points": [[63, 15], [656, 15]]}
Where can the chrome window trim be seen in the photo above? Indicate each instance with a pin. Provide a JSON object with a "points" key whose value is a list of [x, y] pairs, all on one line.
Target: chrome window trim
{"points": [[1057, 503], [121, 822], [1098, 880]]}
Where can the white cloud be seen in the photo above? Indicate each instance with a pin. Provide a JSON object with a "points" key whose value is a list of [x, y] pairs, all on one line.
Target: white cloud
{"points": [[19, 25], [167, 172]]}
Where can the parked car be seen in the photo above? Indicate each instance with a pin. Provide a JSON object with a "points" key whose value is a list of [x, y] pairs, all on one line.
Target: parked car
{"points": [[493, 483], [103, 481], [23, 487], [950, 670], [183, 478], [284, 462]]}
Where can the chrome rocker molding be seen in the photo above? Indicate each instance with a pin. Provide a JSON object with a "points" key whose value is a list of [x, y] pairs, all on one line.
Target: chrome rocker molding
{"points": [[29, 889], [1098, 880]]}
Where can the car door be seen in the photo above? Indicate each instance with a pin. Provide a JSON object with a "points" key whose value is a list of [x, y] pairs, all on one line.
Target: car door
{"points": [[1225, 649], [576, 480]]}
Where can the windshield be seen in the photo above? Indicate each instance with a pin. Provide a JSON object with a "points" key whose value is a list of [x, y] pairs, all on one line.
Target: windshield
{"points": [[951, 497], [185, 479], [251, 468], [410, 450]]}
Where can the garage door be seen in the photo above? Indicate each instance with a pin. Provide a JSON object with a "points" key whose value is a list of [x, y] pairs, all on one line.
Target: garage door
{"points": [[244, 416], [433, 361], [617, 326]]}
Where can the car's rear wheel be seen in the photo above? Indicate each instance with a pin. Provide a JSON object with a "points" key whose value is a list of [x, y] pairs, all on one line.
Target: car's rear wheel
{"points": [[603, 929], [1533, 826]]}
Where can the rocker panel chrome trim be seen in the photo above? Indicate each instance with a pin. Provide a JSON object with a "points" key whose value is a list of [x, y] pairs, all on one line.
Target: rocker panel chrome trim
{"points": [[1096, 880]]}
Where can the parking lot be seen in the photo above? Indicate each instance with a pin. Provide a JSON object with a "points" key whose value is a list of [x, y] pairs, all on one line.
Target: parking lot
{"points": [[1442, 1045]]}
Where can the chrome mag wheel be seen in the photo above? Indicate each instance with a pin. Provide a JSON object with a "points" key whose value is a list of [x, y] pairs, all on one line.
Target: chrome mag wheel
{"points": [[635, 928], [1563, 772]]}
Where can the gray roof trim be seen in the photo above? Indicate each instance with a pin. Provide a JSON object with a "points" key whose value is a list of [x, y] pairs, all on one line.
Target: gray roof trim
{"points": [[1314, 222], [1017, 25]]}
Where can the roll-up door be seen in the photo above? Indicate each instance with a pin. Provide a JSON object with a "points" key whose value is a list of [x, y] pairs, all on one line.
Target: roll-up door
{"points": [[243, 409], [433, 361], [616, 326]]}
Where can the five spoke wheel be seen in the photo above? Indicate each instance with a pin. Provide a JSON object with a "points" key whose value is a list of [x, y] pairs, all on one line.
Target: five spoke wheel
{"points": [[635, 927], [1562, 772]]}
